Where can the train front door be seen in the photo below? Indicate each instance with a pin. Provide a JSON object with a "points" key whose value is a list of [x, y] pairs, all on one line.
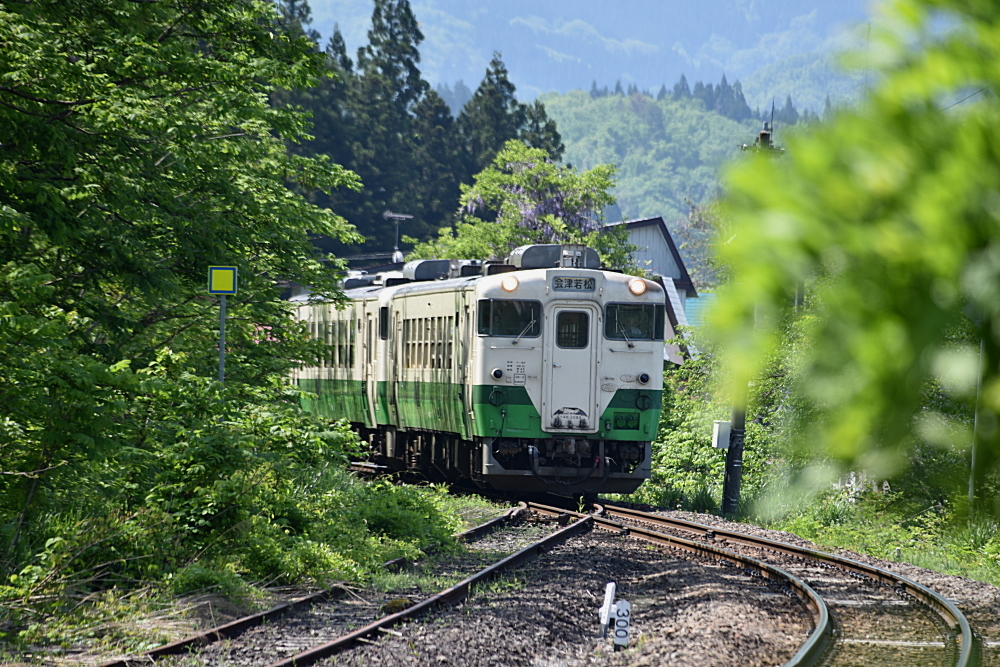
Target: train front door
{"points": [[571, 341]]}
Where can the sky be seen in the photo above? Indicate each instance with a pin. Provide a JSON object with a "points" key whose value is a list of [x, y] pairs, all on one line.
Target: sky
{"points": [[562, 45]]}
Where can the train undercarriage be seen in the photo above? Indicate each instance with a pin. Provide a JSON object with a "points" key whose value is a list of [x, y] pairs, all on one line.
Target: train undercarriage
{"points": [[561, 465]]}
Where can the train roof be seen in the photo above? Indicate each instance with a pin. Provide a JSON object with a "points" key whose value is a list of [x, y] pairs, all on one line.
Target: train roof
{"points": [[426, 276], [373, 292]]}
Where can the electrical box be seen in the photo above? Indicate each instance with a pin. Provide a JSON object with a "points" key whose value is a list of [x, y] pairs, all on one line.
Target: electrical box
{"points": [[720, 434]]}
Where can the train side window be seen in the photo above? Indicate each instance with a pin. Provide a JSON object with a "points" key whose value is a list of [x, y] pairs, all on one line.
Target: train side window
{"points": [[383, 323], [510, 318], [572, 329], [634, 321]]}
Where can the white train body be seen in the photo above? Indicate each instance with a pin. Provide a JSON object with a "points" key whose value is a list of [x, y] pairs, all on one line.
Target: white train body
{"points": [[530, 380]]}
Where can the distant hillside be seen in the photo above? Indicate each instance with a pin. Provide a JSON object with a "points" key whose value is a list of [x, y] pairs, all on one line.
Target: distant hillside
{"points": [[567, 45], [668, 151], [808, 78]]}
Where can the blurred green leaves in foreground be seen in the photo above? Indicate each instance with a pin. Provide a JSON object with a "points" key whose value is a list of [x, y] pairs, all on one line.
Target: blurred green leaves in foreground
{"points": [[889, 216]]}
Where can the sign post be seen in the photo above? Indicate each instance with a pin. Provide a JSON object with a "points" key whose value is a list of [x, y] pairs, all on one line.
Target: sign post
{"points": [[607, 609], [222, 281]]}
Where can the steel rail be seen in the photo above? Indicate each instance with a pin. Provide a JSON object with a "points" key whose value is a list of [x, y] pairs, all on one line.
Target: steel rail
{"points": [[240, 625], [952, 617], [809, 654], [451, 595]]}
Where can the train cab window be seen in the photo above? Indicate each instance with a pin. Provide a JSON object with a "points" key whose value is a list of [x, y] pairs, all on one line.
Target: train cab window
{"points": [[509, 317], [633, 321], [383, 323], [572, 329]]}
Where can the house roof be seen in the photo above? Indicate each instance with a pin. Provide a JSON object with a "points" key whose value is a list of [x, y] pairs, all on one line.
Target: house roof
{"points": [[684, 280]]}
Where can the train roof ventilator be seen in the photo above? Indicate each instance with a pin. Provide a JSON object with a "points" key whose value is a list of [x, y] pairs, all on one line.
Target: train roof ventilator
{"points": [[555, 255], [539, 256]]}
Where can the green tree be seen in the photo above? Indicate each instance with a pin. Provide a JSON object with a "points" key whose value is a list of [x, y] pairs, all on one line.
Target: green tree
{"points": [[330, 132], [294, 19], [524, 197], [681, 89], [139, 147], [888, 213], [381, 100], [439, 159], [540, 131], [786, 115], [492, 117], [697, 235]]}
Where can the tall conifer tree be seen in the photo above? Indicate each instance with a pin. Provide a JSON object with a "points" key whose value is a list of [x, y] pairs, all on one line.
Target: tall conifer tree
{"points": [[787, 115], [540, 132], [438, 159], [681, 88], [492, 117], [381, 102]]}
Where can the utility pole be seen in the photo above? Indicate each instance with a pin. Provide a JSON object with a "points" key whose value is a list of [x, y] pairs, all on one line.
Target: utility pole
{"points": [[734, 462], [397, 256], [975, 428], [764, 145]]}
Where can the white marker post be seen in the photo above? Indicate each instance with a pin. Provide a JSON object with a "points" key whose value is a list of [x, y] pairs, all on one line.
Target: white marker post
{"points": [[222, 281], [607, 608]]}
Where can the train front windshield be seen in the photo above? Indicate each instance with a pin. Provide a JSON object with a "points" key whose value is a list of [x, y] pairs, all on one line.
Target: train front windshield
{"points": [[629, 321], [510, 317]]}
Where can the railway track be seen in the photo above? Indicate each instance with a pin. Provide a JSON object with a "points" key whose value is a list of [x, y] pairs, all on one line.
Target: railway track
{"points": [[314, 627], [320, 626], [859, 614], [876, 616]]}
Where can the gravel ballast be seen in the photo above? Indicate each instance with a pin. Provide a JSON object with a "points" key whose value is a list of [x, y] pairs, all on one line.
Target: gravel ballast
{"points": [[323, 622], [979, 601], [684, 613]]}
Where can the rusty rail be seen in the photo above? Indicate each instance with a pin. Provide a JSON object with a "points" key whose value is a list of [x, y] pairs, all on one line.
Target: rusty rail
{"points": [[240, 625], [452, 595], [809, 654], [953, 618]]}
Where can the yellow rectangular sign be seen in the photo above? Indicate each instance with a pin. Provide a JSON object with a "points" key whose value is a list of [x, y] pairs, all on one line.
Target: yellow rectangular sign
{"points": [[222, 279]]}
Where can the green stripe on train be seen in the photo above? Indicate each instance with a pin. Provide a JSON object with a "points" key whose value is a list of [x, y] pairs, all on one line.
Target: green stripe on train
{"points": [[637, 410], [504, 411], [337, 399]]}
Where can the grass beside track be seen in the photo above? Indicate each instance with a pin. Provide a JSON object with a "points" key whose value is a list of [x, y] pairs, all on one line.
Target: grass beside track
{"points": [[91, 629]]}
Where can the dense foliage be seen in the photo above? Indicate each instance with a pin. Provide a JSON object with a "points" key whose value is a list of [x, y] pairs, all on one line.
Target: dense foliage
{"points": [[888, 214], [688, 472], [138, 147], [816, 82]]}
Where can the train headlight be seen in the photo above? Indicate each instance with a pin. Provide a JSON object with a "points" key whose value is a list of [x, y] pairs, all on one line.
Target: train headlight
{"points": [[643, 378], [497, 374], [637, 286], [509, 283]]}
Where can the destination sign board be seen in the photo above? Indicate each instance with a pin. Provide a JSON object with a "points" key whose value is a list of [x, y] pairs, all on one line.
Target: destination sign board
{"points": [[570, 284]]}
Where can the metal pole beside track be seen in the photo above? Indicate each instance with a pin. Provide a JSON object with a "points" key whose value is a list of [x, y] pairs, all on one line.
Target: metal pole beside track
{"points": [[222, 281], [734, 464], [222, 339]]}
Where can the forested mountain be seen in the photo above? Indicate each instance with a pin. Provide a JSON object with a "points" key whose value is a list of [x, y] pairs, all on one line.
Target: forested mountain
{"points": [[563, 46], [669, 150], [413, 145], [810, 78], [377, 115]]}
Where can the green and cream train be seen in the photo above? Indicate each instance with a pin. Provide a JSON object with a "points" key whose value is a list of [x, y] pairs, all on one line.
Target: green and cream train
{"points": [[540, 374]]}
